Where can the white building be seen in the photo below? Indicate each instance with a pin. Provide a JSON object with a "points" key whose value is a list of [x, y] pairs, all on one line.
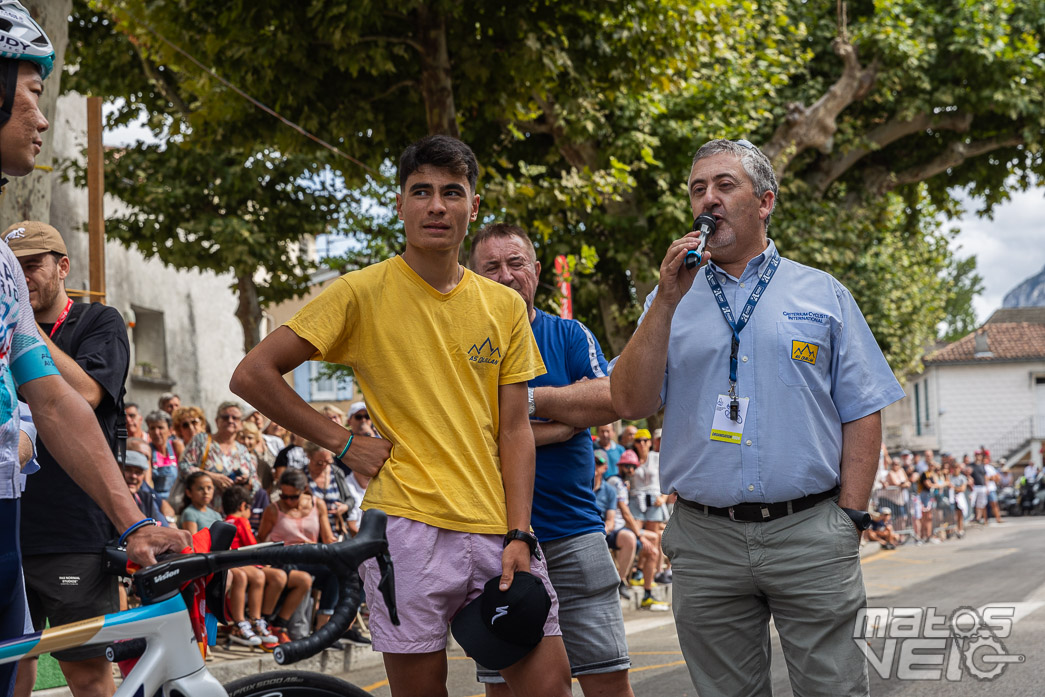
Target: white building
{"points": [[182, 326], [986, 389]]}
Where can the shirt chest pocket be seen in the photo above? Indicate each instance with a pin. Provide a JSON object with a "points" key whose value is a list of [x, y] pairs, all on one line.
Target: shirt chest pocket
{"points": [[804, 355]]}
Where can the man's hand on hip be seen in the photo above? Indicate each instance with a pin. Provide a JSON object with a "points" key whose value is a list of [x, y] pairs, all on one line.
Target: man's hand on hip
{"points": [[367, 455]]}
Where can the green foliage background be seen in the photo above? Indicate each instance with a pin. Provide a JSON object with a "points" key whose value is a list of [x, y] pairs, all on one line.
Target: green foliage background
{"points": [[584, 117]]}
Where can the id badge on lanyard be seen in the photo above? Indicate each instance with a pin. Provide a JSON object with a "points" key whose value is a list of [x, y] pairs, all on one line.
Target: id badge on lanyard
{"points": [[727, 426]]}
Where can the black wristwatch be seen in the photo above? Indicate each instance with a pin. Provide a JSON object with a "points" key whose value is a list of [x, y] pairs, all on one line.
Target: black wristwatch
{"points": [[861, 519], [528, 537]]}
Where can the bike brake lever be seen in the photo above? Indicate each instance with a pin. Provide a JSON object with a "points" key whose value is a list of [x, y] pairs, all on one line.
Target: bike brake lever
{"points": [[387, 585]]}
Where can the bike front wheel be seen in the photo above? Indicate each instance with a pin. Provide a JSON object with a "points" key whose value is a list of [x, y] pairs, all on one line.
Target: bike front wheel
{"points": [[292, 683]]}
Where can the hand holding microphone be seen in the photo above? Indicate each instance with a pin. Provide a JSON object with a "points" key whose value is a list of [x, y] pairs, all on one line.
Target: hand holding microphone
{"points": [[705, 225]]}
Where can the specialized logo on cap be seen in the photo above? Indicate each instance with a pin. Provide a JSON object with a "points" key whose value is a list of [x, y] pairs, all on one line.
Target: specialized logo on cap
{"points": [[501, 612], [484, 353], [801, 351], [15, 234]]}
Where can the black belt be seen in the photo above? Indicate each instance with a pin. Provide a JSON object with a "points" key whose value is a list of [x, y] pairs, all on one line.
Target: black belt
{"points": [[762, 512]]}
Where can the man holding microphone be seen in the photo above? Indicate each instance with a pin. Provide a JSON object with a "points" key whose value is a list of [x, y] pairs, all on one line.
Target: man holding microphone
{"points": [[772, 387]]}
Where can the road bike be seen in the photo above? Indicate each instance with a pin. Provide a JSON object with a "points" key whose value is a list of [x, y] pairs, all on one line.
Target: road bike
{"points": [[162, 635]]}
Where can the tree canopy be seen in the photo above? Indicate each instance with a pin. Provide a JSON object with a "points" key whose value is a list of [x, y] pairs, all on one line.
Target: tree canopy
{"points": [[585, 115]]}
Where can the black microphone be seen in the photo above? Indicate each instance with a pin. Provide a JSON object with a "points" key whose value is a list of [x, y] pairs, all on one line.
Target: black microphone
{"points": [[705, 224]]}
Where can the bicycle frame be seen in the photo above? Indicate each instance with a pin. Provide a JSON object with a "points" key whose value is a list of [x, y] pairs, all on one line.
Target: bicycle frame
{"points": [[172, 658], [171, 662]]}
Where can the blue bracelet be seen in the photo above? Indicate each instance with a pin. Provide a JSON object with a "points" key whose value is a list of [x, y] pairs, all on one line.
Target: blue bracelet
{"points": [[140, 524], [350, 437]]}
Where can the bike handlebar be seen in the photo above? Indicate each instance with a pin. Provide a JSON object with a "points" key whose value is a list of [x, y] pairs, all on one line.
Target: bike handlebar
{"points": [[161, 581]]}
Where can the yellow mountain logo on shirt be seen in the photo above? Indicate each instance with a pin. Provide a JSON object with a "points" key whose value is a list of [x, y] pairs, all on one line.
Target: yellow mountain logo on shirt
{"points": [[486, 352], [801, 351]]}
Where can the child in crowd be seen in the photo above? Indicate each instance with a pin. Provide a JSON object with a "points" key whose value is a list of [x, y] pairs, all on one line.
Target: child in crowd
{"points": [[264, 583], [199, 492]]}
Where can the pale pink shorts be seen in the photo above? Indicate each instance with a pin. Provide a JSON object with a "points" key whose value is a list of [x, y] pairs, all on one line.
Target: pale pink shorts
{"points": [[437, 572]]}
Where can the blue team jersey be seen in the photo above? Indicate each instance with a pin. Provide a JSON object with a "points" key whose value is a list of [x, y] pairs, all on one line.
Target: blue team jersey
{"points": [[563, 498]]}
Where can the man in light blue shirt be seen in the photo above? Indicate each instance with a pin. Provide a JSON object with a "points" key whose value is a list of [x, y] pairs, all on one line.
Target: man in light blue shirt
{"points": [[772, 386]]}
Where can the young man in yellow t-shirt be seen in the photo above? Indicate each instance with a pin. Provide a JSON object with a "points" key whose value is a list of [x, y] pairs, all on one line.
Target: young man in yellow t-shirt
{"points": [[442, 357]]}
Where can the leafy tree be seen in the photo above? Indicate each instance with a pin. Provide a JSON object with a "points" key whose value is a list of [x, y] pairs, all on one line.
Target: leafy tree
{"points": [[240, 212], [585, 115], [965, 284]]}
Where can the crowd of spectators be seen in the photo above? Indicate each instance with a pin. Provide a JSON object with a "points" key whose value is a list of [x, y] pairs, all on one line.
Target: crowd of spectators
{"points": [[627, 491], [929, 500], [273, 486], [276, 486]]}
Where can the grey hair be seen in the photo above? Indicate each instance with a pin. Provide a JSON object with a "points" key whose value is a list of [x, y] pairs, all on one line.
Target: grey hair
{"points": [[157, 416], [229, 405], [755, 163]]}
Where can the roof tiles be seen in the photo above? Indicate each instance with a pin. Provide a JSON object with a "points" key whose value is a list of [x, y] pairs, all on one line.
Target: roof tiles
{"points": [[1005, 341]]}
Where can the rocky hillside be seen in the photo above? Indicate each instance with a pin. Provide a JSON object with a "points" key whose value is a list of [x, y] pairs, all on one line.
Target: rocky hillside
{"points": [[1029, 293]]}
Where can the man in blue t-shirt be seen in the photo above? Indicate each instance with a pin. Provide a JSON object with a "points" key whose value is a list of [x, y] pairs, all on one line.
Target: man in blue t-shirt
{"points": [[565, 402]]}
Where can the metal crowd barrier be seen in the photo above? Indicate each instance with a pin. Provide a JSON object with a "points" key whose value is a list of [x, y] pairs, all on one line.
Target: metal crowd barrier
{"points": [[898, 501]]}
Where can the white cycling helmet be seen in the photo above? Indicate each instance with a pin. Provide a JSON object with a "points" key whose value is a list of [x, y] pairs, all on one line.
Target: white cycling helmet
{"points": [[21, 39]]}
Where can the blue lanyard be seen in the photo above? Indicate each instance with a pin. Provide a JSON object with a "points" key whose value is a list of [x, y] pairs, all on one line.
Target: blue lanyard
{"points": [[738, 325]]}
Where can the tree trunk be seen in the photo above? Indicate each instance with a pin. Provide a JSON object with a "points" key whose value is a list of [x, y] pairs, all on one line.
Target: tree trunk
{"points": [[29, 198], [436, 79], [248, 311]]}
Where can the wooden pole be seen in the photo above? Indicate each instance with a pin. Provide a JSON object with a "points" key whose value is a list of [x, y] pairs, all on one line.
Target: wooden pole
{"points": [[96, 199]]}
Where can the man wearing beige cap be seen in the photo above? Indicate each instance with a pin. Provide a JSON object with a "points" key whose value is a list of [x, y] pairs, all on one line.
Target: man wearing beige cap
{"points": [[88, 343]]}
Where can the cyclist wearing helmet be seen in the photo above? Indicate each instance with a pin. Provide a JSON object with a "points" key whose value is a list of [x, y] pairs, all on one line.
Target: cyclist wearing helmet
{"points": [[26, 59], [26, 366]]}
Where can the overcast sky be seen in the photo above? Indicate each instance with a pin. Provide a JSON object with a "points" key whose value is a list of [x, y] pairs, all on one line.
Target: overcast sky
{"points": [[1008, 249]]}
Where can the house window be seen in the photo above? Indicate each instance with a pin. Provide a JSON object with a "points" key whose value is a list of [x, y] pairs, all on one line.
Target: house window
{"points": [[313, 384], [324, 387], [150, 345]]}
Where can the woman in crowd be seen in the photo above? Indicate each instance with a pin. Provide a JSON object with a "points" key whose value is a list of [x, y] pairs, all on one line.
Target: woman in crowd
{"points": [[164, 452], [334, 414], [647, 503], [250, 437], [187, 422], [328, 484], [272, 434], [298, 517], [221, 455]]}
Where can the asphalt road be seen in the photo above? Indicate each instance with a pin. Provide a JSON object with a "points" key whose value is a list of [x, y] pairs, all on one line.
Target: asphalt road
{"points": [[1001, 566]]}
